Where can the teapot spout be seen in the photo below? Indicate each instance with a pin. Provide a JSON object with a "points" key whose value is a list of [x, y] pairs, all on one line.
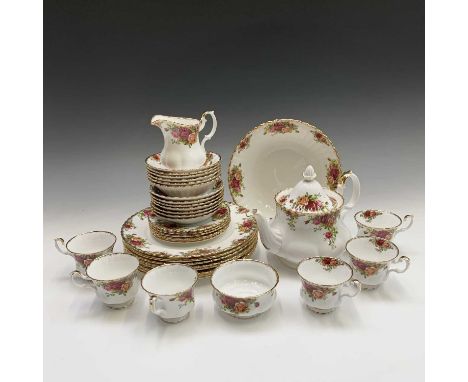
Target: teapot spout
{"points": [[271, 238]]}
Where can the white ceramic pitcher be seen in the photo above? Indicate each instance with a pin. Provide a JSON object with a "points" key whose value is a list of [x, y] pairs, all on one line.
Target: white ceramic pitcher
{"points": [[182, 149]]}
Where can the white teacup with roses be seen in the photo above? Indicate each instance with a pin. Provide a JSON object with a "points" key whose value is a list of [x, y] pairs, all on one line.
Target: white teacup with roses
{"points": [[381, 224]]}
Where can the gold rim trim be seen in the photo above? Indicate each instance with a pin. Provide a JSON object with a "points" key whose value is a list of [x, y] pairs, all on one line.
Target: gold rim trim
{"points": [[169, 265], [342, 262], [383, 212], [118, 278], [371, 261], [287, 120], [93, 253], [235, 261], [187, 171]]}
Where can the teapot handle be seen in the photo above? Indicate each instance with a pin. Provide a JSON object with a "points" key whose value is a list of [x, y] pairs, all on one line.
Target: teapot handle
{"points": [[356, 190], [213, 129]]}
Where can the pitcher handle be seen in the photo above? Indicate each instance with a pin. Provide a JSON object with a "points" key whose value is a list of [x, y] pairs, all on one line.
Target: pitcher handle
{"points": [[213, 129], [405, 219], [356, 191]]}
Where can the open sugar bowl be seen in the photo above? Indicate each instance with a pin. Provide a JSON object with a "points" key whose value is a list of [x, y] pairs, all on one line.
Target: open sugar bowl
{"points": [[86, 247], [170, 289], [382, 224], [373, 259], [244, 288], [325, 281], [114, 278]]}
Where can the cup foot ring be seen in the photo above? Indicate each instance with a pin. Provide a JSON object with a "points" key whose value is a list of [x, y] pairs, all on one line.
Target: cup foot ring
{"points": [[321, 311], [174, 320], [123, 305]]}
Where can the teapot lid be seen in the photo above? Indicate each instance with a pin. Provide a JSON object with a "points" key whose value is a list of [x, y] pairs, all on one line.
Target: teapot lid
{"points": [[308, 195]]}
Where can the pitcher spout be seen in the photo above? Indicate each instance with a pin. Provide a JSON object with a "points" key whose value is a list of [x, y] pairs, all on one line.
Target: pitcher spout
{"points": [[270, 238]]}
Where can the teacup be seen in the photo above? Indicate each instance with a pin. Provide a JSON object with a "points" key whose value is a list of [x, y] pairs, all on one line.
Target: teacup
{"points": [[244, 288], [382, 224], [373, 259], [325, 281], [170, 289], [114, 278], [85, 247]]}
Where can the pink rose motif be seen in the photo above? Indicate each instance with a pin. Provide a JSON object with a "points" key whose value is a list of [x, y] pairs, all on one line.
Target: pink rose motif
{"points": [[192, 138], [184, 133], [175, 133], [328, 235], [383, 234]]}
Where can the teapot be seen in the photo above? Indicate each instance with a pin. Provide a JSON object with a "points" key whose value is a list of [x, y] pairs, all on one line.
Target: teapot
{"points": [[182, 149], [308, 220]]}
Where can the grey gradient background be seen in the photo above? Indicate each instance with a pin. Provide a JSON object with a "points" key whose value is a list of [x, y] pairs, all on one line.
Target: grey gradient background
{"points": [[355, 69]]}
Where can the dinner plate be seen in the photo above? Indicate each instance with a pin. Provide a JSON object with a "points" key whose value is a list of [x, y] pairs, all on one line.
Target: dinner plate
{"points": [[136, 235], [272, 157]]}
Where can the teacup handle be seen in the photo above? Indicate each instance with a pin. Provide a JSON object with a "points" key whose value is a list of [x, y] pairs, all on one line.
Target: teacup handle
{"points": [[213, 129], [60, 246], [85, 281], [409, 218], [354, 284], [404, 259], [157, 306], [356, 191]]}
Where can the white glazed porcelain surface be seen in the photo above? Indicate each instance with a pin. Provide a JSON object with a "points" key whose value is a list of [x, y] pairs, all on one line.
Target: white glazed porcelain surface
{"points": [[186, 191], [244, 288], [373, 259], [217, 190], [171, 291], [182, 149], [267, 161], [136, 234], [382, 224], [113, 277], [155, 166], [325, 281], [297, 234]]}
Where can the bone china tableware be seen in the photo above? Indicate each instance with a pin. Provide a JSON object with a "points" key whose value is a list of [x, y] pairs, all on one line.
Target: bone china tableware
{"points": [[114, 278], [211, 165], [170, 289], [308, 221], [325, 281], [85, 247], [383, 224], [272, 156], [182, 149], [244, 288], [238, 239], [373, 259]]}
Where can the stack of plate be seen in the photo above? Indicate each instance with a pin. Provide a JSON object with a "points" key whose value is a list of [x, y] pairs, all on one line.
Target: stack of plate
{"points": [[183, 183], [238, 240], [176, 232]]}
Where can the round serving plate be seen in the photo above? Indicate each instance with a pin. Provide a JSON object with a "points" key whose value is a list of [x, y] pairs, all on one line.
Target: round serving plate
{"points": [[272, 157], [200, 264], [153, 162], [136, 235]]}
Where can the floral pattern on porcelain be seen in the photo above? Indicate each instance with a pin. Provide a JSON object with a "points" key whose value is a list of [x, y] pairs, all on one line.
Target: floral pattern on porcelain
{"points": [[115, 287], [328, 263], [316, 292], [280, 127], [244, 143], [237, 305], [308, 203], [186, 135], [367, 269], [320, 137], [220, 213], [85, 260], [235, 180], [369, 215], [381, 245], [247, 225], [333, 174], [184, 298], [128, 225], [146, 213], [242, 210], [136, 240], [327, 223]]}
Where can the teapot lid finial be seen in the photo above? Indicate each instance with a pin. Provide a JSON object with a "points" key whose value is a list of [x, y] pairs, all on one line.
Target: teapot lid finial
{"points": [[309, 174]]}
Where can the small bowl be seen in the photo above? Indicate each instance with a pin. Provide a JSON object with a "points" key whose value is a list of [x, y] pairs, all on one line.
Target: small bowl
{"points": [[244, 288]]}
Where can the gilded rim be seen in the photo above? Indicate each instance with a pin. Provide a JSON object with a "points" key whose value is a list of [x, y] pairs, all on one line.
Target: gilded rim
{"points": [[342, 262], [380, 228], [186, 171], [111, 254], [316, 213], [370, 261], [287, 120], [169, 265], [191, 199], [93, 253], [184, 185], [245, 297]]}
